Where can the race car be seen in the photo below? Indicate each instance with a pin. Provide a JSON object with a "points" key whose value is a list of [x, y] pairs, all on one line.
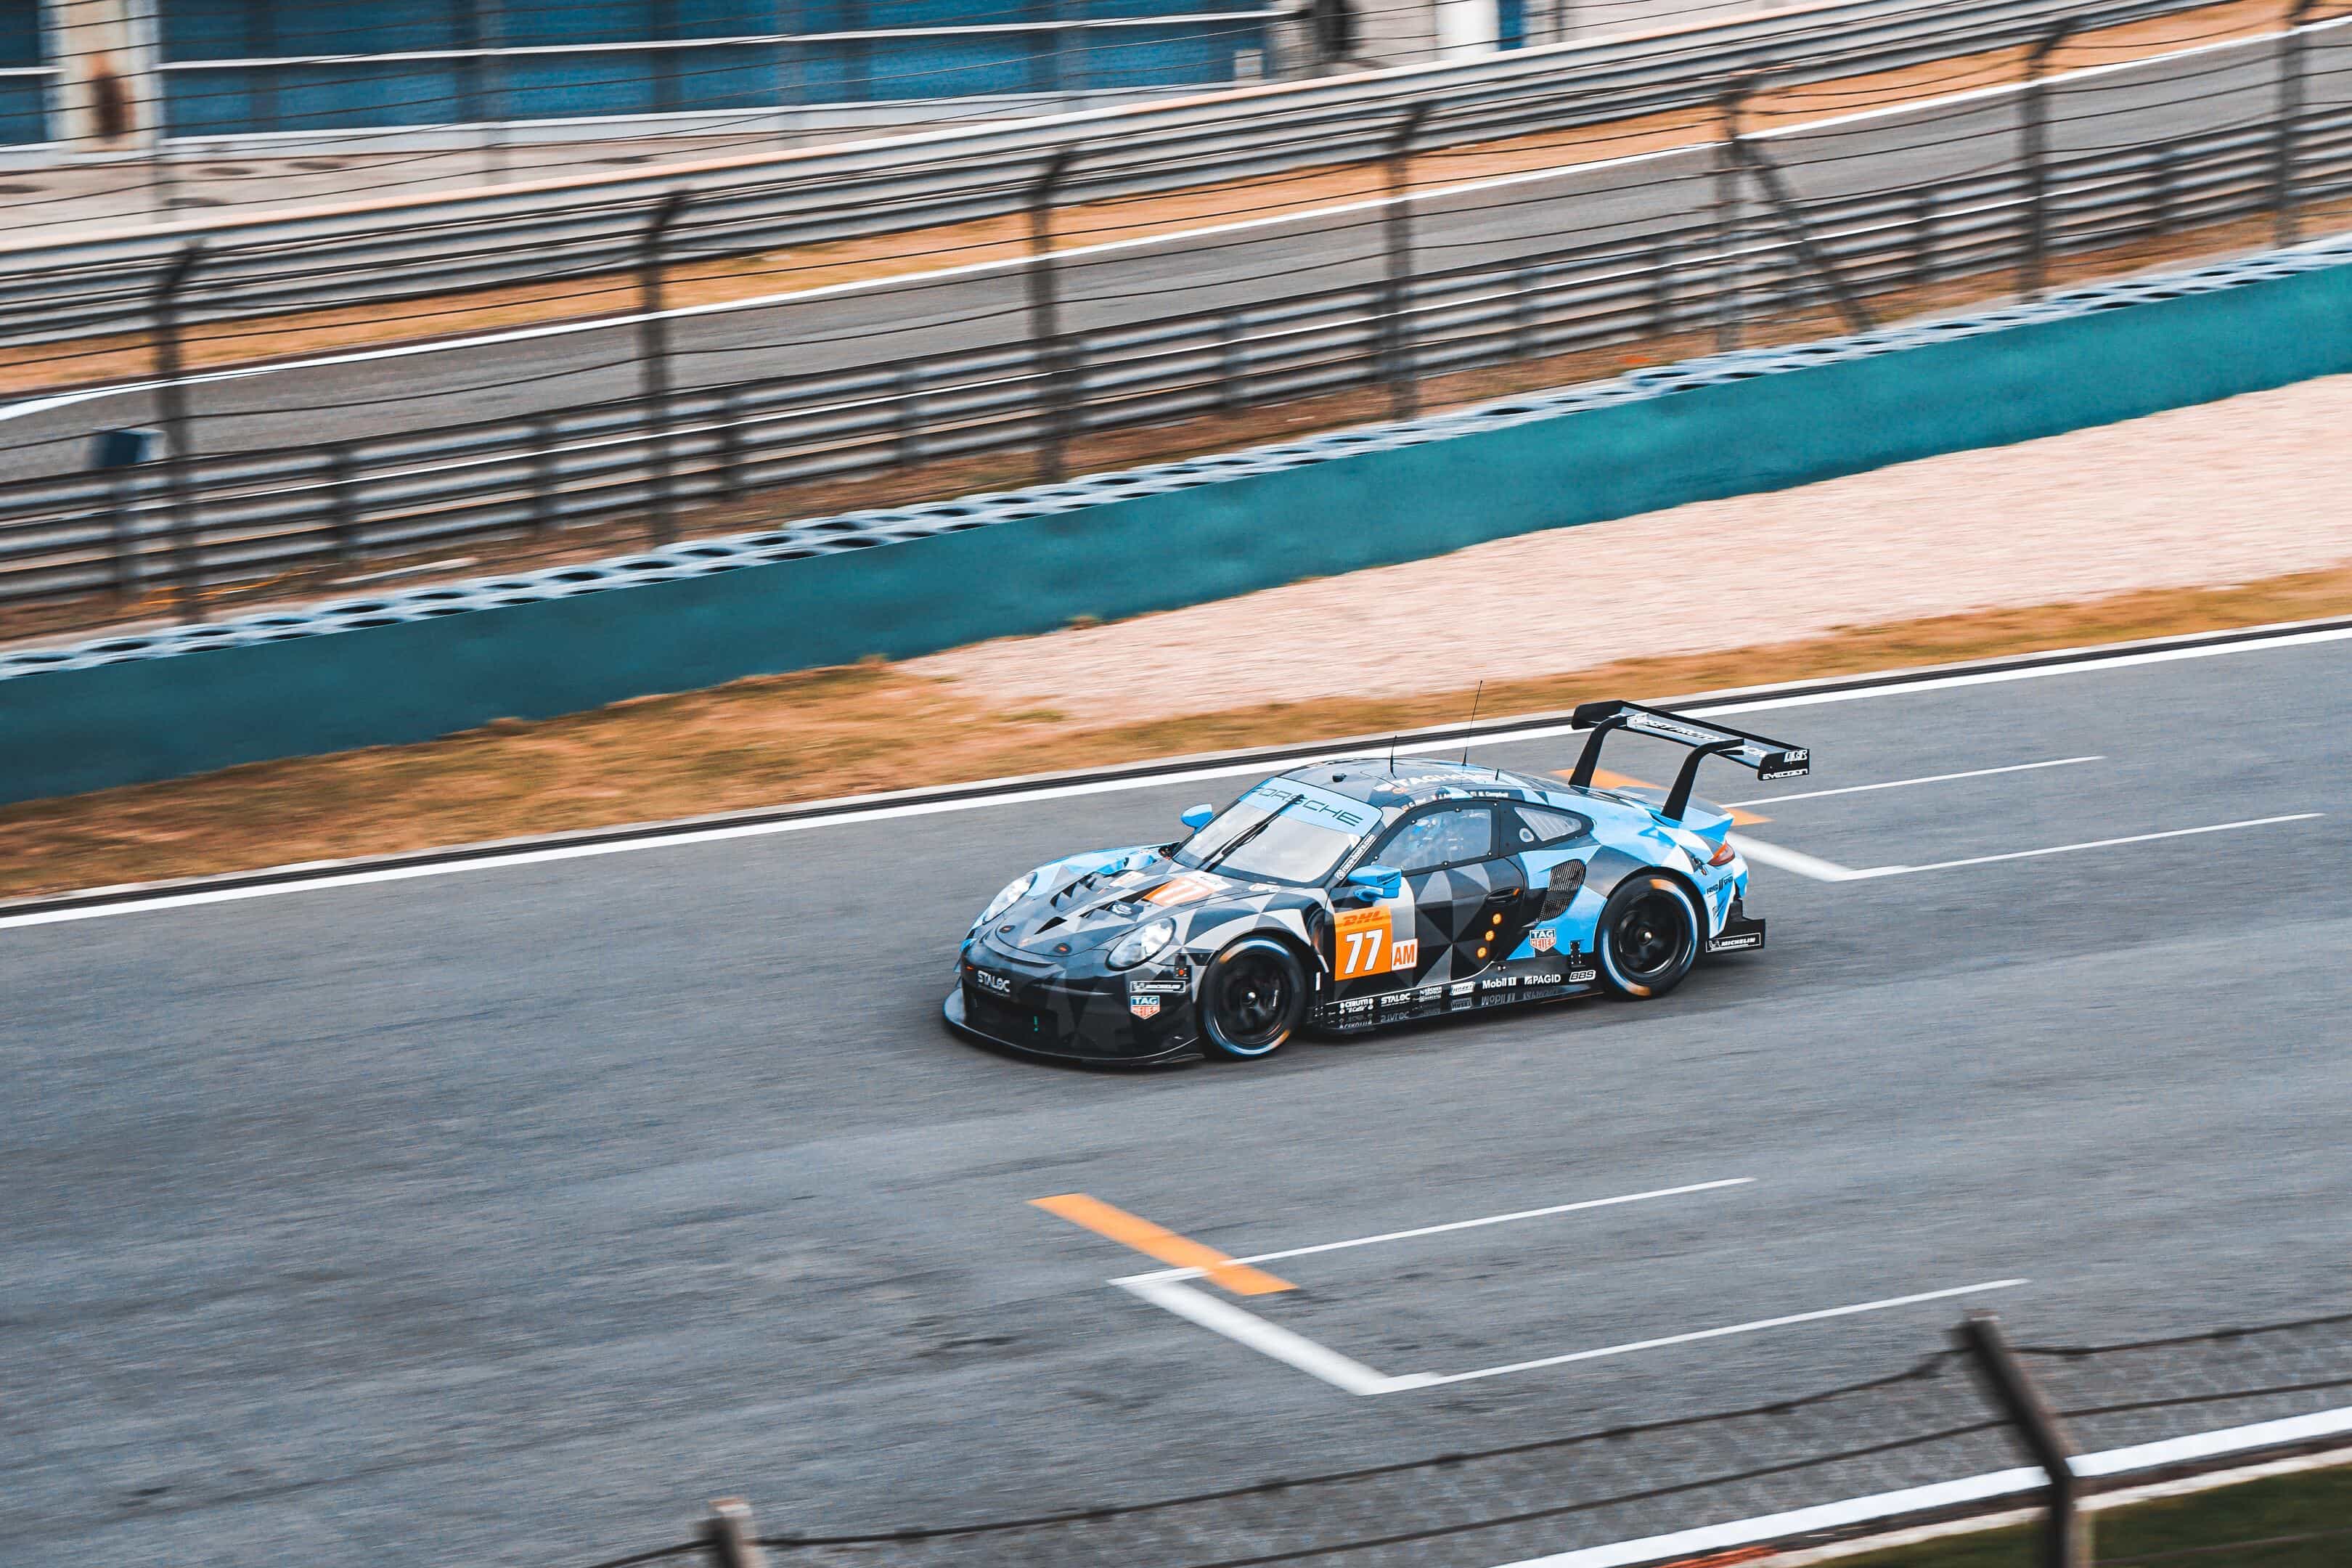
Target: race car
{"points": [[1349, 894]]}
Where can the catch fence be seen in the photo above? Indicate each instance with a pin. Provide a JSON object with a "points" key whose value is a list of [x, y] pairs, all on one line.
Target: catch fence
{"points": [[1713, 237], [1934, 1443]]}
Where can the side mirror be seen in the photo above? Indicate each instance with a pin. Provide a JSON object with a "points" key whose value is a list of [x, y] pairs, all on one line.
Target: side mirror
{"points": [[1196, 817], [1384, 880]]}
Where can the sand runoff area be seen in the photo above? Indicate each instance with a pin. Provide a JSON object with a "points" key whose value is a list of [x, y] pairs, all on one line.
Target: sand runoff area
{"points": [[2252, 487]]}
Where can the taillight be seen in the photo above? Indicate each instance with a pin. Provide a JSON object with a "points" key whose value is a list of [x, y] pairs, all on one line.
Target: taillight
{"points": [[1724, 853]]}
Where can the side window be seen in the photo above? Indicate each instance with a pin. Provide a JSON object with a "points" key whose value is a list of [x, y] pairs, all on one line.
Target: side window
{"points": [[1437, 838], [1538, 824]]}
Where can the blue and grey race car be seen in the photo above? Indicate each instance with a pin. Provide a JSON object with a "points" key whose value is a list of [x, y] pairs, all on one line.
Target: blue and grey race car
{"points": [[1345, 895]]}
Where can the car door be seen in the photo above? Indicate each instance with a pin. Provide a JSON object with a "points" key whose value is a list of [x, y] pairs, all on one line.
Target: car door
{"points": [[1466, 889]]}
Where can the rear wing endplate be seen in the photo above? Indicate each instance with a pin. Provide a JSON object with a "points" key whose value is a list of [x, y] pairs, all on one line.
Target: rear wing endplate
{"points": [[1768, 758]]}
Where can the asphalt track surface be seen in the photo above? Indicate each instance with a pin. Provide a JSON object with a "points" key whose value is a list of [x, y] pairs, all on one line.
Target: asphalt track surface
{"points": [[1890, 152], [502, 1216]]}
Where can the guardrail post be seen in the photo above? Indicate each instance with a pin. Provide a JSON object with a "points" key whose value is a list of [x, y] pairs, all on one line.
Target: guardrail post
{"points": [[1045, 318], [179, 433], [1233, 365], [1662, 291], [342, 499], [653, 358], [2067, 1528], [2034, 263], [545, 480], [1728, 304], [2290, 125], [726, 1535], [1923, 239], [1396, 293], [2160, 197], [1526, 312], [727, 432], [909, 415]]}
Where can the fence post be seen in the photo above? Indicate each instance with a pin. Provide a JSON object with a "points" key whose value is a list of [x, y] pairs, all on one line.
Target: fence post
{"points": [[1396, 334], [1726, 223], [1046, 316], [343, 502], [1233, 365], [2035, 262], [179, 433], [653, 358], [1807, 255], [729, 436], [2067, 1528], [546, 479], [1923, 239], [2290, 126], [726, 1535]]}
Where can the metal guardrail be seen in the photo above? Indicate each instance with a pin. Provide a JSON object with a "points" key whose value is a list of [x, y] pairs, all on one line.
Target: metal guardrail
{"points": [[1986, 1428], [261, 514], [536, 234]]}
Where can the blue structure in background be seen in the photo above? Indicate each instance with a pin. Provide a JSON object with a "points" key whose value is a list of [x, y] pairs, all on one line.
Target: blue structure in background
{"points": [[22, 93], [238, 65]]}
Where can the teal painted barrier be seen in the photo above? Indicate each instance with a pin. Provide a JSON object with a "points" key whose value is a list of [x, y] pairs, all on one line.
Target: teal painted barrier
{"points": [[1862, 406]]}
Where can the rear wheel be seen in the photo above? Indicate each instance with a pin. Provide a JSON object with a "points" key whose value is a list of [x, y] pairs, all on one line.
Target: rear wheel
{"points": [[1252, 1000], [1648, 937]]}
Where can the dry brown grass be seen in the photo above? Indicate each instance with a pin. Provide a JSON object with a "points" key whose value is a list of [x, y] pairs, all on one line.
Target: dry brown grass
{"points": [[836, 731], [921, 250]]}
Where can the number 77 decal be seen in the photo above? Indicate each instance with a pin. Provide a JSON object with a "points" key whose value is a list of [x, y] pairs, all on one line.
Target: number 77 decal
{"points": [[1366, 947]]}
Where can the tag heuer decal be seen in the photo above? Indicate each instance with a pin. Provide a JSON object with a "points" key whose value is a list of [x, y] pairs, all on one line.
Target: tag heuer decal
{"points": [[1144, 1006]]}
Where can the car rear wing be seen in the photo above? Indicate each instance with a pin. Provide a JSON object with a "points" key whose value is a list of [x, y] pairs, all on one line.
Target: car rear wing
{"points": [[1768, 758]]}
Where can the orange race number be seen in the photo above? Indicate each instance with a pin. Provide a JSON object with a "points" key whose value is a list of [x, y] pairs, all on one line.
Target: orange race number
{"points": [[1366, 947]]}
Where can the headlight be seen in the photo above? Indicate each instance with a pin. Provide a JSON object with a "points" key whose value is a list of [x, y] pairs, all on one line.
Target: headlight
{"points": [[1014, 891], [1141, 943]]}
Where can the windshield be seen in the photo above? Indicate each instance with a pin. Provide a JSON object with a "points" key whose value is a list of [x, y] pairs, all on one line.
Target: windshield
{"points": [[1282, 831]]}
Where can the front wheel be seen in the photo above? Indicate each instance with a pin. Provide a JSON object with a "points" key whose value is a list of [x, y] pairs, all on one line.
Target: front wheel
{"points": [[1649, 936], [1252, 1000]]}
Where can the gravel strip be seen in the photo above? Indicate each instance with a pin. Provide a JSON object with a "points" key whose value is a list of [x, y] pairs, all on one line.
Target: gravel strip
{"points": [[2252, 486]]}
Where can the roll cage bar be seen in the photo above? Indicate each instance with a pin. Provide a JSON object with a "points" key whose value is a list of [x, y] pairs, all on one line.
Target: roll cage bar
{"points": [[1767, 758]]}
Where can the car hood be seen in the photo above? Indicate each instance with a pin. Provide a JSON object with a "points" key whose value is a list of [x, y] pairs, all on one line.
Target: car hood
{"points": [[1089, 901]]}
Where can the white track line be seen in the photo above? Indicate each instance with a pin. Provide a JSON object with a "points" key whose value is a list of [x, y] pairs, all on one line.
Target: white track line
{"points": [[2090, 844], [134, 904], [1797, 860], [1352, 1376], [1907, 783], [1759, 1325], [1830, 871], [1915, 1500], [1249, 1329], [1458, 1225]]}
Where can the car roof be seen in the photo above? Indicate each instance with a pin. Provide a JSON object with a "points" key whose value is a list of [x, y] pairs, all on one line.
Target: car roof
{"points": [[1408, 781]]}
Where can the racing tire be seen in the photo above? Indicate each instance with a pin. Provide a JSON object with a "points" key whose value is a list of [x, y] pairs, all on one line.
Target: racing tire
{"points": [[1252, 1000], [1648, 937]]}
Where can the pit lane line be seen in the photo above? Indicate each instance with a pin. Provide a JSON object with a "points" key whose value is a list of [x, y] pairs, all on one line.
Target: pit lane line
{"points": [[1889, 683]]}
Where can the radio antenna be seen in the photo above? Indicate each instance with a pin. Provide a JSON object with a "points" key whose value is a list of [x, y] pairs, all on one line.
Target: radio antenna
{"points": [[1473, 720], [1392, 740]]}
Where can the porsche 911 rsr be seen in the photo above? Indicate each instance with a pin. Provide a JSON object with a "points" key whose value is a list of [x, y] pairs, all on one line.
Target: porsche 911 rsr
{"points": [[1349, 894]]}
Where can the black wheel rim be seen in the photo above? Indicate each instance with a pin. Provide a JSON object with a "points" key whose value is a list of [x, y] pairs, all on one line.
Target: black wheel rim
{"points": [[1253, 1000], [1649, 934]]}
